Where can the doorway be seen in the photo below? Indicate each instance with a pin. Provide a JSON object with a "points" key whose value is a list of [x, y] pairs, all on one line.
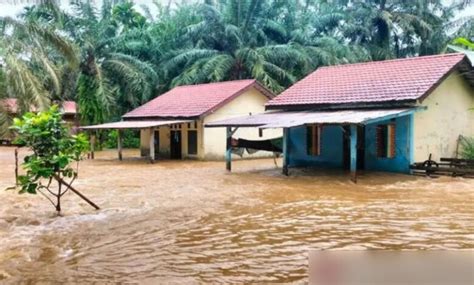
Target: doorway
{"points": [[175, 144], [346, 147], [157, 143]]}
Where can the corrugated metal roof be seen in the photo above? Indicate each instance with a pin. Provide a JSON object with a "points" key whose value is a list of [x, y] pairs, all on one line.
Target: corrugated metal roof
{"points": [[134, 124], [294, 119]]}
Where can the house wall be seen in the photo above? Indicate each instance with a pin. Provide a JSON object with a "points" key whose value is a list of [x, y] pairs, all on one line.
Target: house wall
{"points": [[250, 102], [165, 140], [331, 148], [402, 159], [447, 116], [331, 153]]}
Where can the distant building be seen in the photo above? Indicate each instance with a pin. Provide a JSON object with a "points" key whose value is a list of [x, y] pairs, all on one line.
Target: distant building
{"points": [[379, 116], [68, 108], [172, 124]]}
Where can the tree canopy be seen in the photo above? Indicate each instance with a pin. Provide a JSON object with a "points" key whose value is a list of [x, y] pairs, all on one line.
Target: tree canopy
{"points": [[113, 58]]}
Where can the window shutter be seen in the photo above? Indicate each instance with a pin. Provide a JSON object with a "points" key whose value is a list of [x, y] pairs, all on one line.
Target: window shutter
{"points": [[313, 139], [391, 151]]}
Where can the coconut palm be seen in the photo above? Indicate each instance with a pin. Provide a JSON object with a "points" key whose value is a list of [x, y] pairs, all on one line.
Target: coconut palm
{"points": [[233, 41], [106, 82], [32, 56]]}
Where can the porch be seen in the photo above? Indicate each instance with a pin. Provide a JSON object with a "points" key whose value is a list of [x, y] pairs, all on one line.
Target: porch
{"points": [[149, 136], [374, 140]]}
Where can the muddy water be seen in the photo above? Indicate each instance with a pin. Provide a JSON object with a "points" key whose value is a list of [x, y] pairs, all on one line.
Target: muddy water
{"points": [[190, 222]]}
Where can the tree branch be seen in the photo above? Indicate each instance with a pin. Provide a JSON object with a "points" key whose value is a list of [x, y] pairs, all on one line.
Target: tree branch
{"points": [[49, 199]]}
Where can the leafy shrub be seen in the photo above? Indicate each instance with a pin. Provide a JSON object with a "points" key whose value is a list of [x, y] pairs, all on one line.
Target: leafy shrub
{"points": [[467, 148], [54, 149], [130, 139]]}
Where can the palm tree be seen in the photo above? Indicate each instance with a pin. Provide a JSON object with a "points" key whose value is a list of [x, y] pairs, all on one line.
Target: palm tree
{"points": [[233, 41], [31, 57], [106, 82], [108, 77]]}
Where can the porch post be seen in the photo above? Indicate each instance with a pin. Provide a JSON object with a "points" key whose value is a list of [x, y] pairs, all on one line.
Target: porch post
{"points": [[354, 153], [286, 151], [119, 144], [411, 139], [92, 142], [228, 151], [152, 145]]}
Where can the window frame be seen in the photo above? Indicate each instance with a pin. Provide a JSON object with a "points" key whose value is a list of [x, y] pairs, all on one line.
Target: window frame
{"points": [[385, 141], [313, 139]]}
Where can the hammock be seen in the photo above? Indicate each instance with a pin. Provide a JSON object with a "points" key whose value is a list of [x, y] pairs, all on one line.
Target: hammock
{"points": [[273, 145]]}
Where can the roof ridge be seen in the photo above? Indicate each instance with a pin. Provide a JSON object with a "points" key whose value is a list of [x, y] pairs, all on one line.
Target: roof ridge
{"points": [[393, 60], [214, 83]]}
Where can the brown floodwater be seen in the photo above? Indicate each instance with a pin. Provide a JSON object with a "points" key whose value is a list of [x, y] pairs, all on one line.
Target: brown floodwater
{"points": [[191, 222]]}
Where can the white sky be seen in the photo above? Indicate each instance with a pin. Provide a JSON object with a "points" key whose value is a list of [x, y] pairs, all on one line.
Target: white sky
{"points": [[9, 9]]}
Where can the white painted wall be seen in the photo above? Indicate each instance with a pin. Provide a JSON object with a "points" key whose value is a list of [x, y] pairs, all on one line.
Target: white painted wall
{"points": [[448, 115], [250, 102]]}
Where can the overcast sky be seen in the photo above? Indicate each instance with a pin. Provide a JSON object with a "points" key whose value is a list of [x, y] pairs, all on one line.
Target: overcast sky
{"points": [[9, 9]]}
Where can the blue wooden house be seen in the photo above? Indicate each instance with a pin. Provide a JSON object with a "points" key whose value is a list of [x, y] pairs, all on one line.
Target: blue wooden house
{"points": [[377, 116]]}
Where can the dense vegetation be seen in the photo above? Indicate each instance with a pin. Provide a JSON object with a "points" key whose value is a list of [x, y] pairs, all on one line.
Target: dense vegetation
{"points": [[113, 58]]}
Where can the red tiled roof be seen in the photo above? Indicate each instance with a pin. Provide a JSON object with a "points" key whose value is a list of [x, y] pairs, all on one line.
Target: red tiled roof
{"points": [[380, 81], [195, 100], [69, 107], [10, 104]]}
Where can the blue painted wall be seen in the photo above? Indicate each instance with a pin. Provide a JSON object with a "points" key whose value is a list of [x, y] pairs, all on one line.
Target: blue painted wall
{"points": [[401, 161], [331, 148]]}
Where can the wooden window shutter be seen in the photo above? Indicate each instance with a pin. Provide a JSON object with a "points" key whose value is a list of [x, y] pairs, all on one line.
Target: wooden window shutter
{"points": [[385, 140], [313, 139], [391, 139]]}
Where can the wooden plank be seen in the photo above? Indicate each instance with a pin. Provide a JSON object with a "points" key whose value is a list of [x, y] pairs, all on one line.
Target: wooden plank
{"points": [[457, 160]]}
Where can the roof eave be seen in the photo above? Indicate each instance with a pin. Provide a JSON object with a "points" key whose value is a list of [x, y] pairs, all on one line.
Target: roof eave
{"points": [[343, 106]]}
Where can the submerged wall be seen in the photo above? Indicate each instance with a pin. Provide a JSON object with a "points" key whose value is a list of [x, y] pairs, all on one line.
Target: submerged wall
{"points": [[332, 155], [401, 161], [331, 148]]}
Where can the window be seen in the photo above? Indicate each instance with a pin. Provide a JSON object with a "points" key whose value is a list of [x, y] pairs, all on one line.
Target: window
{"points": [[192, 142], [313, 138], [385, 140]]}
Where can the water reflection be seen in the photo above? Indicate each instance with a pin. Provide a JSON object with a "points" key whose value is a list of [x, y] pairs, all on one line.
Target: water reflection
{"points": [[188, 222]]}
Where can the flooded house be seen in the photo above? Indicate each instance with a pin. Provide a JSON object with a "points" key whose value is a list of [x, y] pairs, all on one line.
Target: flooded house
{"points": [[172, 124], [68, 109], [378, 116]]}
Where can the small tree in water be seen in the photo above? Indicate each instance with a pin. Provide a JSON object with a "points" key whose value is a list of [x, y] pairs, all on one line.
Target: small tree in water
{"points": [[54, 149]]}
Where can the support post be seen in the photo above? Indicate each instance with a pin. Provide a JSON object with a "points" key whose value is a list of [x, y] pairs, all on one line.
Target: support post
{"points": [[286, 151], [92, 141], [411, 139], [16, 166], [354, 153], [228, 151], [152, 145], [119, 144]]}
